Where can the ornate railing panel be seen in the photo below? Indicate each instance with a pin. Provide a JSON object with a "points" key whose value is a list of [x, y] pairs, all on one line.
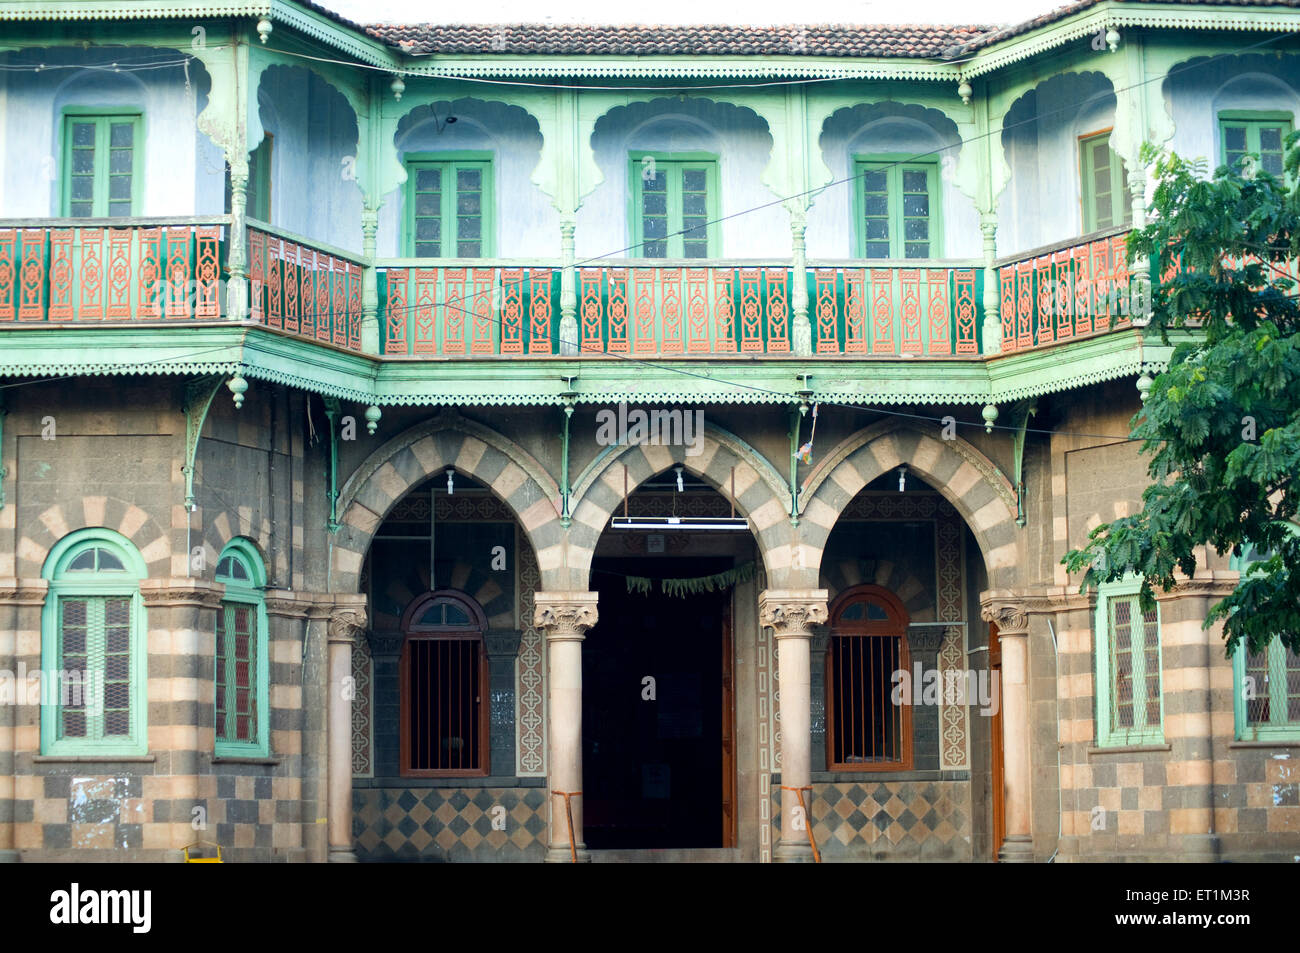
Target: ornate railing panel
{"points": [[89, 270], [304, 290]]}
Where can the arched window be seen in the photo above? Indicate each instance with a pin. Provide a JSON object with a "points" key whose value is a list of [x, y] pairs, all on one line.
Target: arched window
{"points": [[865, 729], [1266, 703], [444, 684], [94, 665], [241, 690]]}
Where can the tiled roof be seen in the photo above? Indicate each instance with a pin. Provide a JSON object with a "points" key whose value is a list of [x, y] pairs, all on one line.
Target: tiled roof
{"points": [[837, 40], [998, 34]]}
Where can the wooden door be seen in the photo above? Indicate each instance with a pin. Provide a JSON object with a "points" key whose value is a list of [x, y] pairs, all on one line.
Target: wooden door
{"points": [[728, 733], [997, 781]]}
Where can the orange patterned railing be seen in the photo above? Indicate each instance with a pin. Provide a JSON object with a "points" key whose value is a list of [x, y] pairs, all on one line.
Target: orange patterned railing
{"points": [[304, 289], [1064, 293], [87, 270], [476, 309], [893, 310]]}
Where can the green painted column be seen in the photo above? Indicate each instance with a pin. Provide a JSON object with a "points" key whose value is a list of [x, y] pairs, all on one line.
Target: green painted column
{"points": [[370, 338], [801, 331], [568, 290], [992, 330]]}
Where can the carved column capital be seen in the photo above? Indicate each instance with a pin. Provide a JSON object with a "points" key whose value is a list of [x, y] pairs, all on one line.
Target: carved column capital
{"points": [[791, 612], [347, 624], [564, 616], [1008, 611]]}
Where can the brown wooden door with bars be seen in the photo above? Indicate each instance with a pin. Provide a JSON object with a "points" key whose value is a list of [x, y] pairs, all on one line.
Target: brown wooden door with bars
{"points": [[997, 780], [728, 733]]}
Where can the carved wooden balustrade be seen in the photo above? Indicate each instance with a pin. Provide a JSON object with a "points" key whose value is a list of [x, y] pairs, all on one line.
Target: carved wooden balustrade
{"points": [[308, 290], [153, 270], [1064, 292], [100, 270]]}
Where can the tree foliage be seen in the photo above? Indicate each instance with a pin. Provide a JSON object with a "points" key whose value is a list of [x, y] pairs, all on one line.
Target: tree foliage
{"points": [[1221, 426]]}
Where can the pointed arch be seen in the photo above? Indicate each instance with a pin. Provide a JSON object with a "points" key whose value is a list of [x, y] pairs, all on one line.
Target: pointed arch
{"points": [[968, 479], [760, 496], [447, 441]]}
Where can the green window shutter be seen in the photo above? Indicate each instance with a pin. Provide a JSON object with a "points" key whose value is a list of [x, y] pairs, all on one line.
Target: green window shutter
{"points": [[450, 208], [101, 165], [1267, 693], [241, 682], [92, 650], [1263, 137], [1130, 703], [1104, 181], [898, 209], [237, 673], [674, 206]]}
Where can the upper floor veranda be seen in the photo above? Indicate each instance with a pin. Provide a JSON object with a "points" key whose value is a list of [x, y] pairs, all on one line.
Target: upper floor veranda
{"points": [[909, 213]]}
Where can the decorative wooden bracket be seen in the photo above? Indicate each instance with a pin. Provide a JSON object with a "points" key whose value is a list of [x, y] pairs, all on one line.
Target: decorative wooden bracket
{"points": [[199, 394], [1018, 458], [332, 490]]}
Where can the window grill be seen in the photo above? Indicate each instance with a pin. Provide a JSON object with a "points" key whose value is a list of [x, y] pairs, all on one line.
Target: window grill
{"points": [[1135, 664], [444, 688], [95, 637], [237, 714], [866, 728]]}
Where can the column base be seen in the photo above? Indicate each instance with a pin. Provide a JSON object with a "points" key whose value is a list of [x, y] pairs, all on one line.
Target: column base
{"points": [[1017, 849], [795, 853], [342, 855], [561, 855]]}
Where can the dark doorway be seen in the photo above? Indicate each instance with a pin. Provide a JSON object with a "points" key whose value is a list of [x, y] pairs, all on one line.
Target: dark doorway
{"points": [[653, 770]]}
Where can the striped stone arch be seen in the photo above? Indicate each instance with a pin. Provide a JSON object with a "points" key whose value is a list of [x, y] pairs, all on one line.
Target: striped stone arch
{"points": [[447, 440], [56, 522], [760, 495], [916, 596], [231, 523], [480, 585], [967, 479]]}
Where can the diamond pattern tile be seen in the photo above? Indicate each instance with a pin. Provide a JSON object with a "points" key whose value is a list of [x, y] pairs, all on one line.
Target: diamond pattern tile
{"points": [[450, 824]]}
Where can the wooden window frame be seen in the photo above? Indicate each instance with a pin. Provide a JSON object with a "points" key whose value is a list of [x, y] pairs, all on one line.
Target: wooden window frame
{"points": [[449, 162], [474, 631], [250, 593], [1275, 654], [81, 584], [1253, 120], [893, 165], [708, 161], [1118, 183], [103, 116], [895, 627], [1108, 735]]}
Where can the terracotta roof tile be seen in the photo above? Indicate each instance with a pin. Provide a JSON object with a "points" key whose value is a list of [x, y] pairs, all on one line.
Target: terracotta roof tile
{"points": [[824, 40]]}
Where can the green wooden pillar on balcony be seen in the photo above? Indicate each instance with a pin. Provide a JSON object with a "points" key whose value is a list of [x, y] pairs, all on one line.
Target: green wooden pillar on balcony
{"points": [[370, 338], [225, 121], [801, 330]]}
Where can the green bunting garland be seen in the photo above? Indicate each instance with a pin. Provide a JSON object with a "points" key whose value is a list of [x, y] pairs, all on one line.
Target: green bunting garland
{"points": [[681, 588]]}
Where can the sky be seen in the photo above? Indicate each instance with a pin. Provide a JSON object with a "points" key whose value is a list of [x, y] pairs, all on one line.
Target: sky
{"points": [[693, 11]]}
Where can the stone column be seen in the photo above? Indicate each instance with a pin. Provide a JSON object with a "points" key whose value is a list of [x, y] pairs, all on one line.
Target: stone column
{"points": [[1013, 636], [346, 623], [502, 647], [564, 617], [790, 613]]}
